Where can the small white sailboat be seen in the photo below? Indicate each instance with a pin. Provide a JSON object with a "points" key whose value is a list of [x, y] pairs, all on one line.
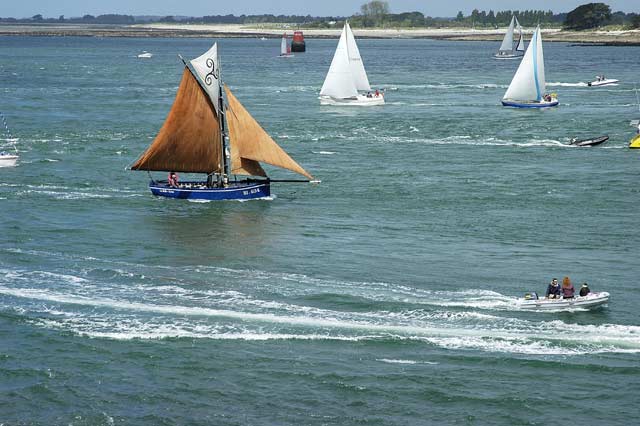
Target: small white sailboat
{"points": [[347, 82], [7, 159], [506, 50], [527, 89], [285, 48]]}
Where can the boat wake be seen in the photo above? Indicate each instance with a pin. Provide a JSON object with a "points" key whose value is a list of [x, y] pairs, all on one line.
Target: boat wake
{"points": [[559, 84], [117, 300]]}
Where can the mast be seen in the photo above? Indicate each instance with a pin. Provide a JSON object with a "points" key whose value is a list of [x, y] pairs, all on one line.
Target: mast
{"points": [[226, 156]]}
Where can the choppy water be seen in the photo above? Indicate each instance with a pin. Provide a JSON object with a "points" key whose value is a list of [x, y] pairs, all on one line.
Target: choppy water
{"points": [[385, 295]]}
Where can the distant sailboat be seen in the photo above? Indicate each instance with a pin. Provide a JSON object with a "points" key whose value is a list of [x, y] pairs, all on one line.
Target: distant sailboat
{"points": [[285, 48], [205, 134], [506, 50], [347, 79], [7, 159], [527, 89]]}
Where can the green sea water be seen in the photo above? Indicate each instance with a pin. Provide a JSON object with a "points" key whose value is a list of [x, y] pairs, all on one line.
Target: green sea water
{"points": [[386, 295]]}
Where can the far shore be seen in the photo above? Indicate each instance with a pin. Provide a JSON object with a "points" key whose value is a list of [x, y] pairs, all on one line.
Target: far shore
{"points": [[629, 38]]}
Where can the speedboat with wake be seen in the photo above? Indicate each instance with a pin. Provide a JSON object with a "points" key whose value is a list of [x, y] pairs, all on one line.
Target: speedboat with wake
{"points": [[601, 80], [590, 141], [531, 301]]}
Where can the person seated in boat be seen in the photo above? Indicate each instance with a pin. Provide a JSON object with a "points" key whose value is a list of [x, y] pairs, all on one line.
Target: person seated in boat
{"points": [[547, 97], [584, 290], [567, 288], [553, 290], [377, 94], [369, 95], [173, 179]]}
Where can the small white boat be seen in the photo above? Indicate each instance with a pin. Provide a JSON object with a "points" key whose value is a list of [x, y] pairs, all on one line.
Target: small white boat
{"points": [[591, 300], [285, 48], [506, 50], [145, 54], [347, 82], [602, 81], [527, 89], [8, 160]]}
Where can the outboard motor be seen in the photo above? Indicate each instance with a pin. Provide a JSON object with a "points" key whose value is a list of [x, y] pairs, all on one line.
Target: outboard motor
{"points": [[531, 295]]}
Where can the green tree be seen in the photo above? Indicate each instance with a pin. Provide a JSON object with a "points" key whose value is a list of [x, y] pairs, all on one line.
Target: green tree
{"points": [[374, 12], [460, 17], [591, 15]]}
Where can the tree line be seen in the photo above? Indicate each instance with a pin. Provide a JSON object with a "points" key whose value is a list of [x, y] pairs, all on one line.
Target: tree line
{"points": [[376, 14]]}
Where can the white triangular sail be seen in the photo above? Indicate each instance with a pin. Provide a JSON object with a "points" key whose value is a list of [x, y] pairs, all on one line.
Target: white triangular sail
{"points": [[529, 83], [207, 67], [339, 82], [355, 62], [283, 45], [507, 42], [520, 45]]}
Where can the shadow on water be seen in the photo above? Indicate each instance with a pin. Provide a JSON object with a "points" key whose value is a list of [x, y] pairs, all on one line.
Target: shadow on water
{"points": [[201, 232]]}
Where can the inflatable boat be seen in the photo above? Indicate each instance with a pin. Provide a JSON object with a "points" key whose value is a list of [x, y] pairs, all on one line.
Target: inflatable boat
{"points": [[531, 301], [589, 142]]}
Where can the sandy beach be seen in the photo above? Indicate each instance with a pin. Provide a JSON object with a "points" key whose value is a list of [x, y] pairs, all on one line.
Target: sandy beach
{"points": [[631, 37]]}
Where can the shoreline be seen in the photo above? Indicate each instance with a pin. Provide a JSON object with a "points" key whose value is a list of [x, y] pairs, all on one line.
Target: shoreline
{"points": [[598, 38]]}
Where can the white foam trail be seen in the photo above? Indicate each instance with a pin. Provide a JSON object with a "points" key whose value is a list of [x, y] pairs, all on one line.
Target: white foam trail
{"points": [[495, 334], [560, 84], [405, 361]]}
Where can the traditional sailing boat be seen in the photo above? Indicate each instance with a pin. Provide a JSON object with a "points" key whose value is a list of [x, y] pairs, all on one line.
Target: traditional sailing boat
{"points": [[7, 159], [203, 134], [506, 50], [527, 89], [285, 49], [346, 77]]}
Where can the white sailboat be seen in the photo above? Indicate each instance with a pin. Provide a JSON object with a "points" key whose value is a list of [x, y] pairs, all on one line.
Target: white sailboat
{"points": [[285, 48], [7, 159], [506, 50], [527, 89], [347, 80]]}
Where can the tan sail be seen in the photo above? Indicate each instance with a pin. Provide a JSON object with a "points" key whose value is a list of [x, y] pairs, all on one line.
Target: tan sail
{"points": [[251, 145], [189, 140]]}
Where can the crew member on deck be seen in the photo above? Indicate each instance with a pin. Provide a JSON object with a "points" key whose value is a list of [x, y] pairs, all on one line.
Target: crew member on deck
{"points": [[584, 290], [567, 288], [173, 179], [553, 291]]}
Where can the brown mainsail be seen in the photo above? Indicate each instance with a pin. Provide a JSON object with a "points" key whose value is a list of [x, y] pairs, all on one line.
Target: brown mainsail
{"points": [[251, 145], [189, 140]]}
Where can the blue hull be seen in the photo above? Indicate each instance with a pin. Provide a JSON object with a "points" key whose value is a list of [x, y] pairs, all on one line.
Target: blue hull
{"points": [[199, 191], [530, 105]]}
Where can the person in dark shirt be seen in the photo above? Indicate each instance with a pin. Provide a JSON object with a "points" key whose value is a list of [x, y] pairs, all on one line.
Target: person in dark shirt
{"points": [[553, 290], [584, 290]]}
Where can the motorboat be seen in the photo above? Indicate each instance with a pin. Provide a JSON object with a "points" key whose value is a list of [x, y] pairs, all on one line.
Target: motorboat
{"points": [[8, 160], [590, 141], [531, 301], [602, 81]]}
